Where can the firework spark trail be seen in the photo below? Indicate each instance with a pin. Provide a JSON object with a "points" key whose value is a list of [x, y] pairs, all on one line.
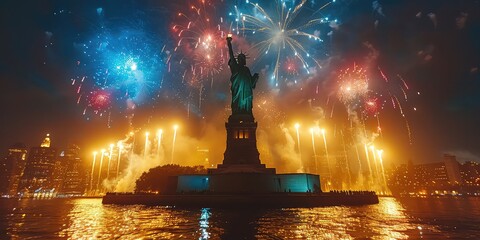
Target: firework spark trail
{"points": [[393, 102], [375, 164], [331, 112], [399, 106], [409, 131], [200, 38], [368, 160], [278, 30], [119, 157], [404, 94], [379, 127], [396, 103], [326, 154], [312, 132], [406, 121], [383, 75], [346, 158], [403, 81], [380, 158], [403, 87], [79, 98]]}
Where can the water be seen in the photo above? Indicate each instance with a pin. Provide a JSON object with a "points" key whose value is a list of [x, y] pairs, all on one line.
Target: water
{"points": [[437, 218]]}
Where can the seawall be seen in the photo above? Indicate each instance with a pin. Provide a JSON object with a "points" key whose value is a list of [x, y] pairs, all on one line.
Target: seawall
{"points": [[274, 200]]}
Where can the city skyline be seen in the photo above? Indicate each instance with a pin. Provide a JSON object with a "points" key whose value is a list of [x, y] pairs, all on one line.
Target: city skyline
{"points": [[44, 172]]}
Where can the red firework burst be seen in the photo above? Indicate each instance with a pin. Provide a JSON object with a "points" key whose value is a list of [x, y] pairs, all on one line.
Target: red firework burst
{"points": [[202, 39], [100, 100]]}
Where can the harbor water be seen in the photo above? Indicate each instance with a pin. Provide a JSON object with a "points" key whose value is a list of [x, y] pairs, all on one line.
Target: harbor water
{"points": [[392, 218]]}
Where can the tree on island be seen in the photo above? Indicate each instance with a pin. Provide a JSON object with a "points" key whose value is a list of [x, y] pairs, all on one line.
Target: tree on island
{"points": [[157, 179]]}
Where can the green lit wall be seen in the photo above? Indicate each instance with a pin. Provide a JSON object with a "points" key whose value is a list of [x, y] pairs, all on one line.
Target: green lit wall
{"points": [[249, 183], [193, 183]]}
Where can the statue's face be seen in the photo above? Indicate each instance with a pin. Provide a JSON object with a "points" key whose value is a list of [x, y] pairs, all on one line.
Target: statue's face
{"points": [[242, 60]]}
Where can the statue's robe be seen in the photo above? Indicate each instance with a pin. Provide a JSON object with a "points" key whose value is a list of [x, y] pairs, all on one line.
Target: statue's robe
{"points": [[242, 85]]}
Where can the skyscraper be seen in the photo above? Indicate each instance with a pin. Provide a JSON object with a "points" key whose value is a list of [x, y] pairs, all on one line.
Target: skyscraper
{"points": [[453, 169], [37, 178], [73, 176], [470, 172], [46, 141], [13, 167]]}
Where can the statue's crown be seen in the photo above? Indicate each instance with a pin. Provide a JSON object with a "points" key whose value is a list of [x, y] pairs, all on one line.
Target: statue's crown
{"points": [[242, 55]]}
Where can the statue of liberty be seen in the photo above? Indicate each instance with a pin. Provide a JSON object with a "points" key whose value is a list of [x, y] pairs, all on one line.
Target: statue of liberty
{"points": [[242, 82]]}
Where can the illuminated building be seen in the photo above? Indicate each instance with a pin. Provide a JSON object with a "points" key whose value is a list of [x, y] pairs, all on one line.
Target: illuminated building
{"points": [[431, 174], [470, 172], [453, 169], [46, 141], [12, 169], [73, 183], [58, 175], [439, 178], [3, 176], [400, 177], [37, 178]]}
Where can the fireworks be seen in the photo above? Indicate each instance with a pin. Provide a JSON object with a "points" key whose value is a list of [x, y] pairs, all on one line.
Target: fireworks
{"points": [[396, 90], [356, 94], [118, 67], [99, 100], [365, 93], [291, 66], [282, 33], [371, 105], [201, 40], [353, 86]]}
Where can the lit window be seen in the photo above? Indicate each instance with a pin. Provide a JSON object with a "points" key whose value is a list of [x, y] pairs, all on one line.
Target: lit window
{"points": [[235, 134]]}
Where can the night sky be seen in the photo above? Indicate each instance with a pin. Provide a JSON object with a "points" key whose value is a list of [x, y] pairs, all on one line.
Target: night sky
{"points": [[434, 45]]}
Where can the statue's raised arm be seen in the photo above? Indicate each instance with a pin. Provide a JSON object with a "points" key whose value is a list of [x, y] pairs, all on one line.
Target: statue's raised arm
{"points": [[242, 82], [230, 49]]}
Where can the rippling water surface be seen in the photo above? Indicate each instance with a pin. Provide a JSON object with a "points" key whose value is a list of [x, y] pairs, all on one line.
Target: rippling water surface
{"points": [[392, 218]]}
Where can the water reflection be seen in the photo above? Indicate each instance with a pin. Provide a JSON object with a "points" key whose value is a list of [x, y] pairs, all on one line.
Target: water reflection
{"points": [[89, 219], [385, 220], [32, 218], [237, 224], [204, 215]]}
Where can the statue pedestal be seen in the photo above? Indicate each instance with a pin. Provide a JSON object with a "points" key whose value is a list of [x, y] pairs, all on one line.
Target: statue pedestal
{"points": [[241, 154]]}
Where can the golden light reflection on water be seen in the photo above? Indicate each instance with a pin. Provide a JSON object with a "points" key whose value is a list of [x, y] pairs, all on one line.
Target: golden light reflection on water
{"points": [[387, 220], [390, 211], [90, 219]]}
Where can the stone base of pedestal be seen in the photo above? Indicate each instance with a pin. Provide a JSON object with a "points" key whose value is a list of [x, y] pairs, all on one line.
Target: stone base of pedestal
{"points": [[241, 168]]}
